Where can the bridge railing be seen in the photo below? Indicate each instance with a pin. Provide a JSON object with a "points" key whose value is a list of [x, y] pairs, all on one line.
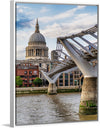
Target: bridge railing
{"points": [[64, 58]]}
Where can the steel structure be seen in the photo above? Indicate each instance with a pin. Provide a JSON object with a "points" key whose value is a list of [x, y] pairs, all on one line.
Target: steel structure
{"points": [[77, 55]]}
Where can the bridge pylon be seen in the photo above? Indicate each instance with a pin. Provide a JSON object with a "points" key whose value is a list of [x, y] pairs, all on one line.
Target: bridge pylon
{"points": [[83, 58], [88, 102], [52, 89]]}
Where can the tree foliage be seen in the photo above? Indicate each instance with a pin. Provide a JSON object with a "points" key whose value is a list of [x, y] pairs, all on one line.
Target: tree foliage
{"points": [[37, 81], [19, 82]]}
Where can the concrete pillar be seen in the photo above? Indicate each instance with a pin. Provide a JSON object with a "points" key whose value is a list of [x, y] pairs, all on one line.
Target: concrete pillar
{"points": [[88, 103], [52, 89]]}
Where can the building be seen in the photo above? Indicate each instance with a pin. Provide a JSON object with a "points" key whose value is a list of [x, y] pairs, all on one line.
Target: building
{"points": [[37, 48], [37, 51], [28, 73], [37, 55], [74, 78]]}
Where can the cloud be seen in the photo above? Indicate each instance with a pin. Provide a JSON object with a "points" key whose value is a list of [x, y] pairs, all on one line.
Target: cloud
{"points": [[80, 22], [66, 14], [20, 10], [24, 10], [44, 9], [77, 23], [24, 23], [22, 7], [20, 52]]}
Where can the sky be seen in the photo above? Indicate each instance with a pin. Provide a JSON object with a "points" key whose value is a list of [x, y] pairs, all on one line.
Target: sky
{"points": [[54, 21]]}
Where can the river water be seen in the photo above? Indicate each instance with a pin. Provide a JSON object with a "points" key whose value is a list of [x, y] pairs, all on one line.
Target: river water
{"points": [[43, 108]]}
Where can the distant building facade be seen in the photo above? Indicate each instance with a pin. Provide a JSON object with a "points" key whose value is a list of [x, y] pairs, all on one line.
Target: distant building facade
{"points": [[28, 73], [74, 78]]}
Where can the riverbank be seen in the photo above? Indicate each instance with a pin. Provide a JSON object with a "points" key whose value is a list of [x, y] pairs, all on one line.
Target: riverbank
{"points": [[43, 90]]}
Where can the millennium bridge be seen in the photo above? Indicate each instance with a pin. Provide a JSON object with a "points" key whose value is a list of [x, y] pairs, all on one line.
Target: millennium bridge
{"points": [[77, 55]]}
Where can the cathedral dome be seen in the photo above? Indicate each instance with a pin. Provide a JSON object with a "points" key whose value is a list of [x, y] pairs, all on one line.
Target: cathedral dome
{"points": [[37, 36], [37, 48]]}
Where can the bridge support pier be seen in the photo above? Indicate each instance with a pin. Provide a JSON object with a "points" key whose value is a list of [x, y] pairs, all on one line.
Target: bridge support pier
{"points": [[52, 89], [88, 103]]}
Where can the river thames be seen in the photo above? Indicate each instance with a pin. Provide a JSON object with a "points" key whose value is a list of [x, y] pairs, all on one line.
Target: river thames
{"points": [[43, 109]]}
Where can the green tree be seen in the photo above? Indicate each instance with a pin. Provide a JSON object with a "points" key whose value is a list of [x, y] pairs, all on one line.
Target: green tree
{"points": [[37, 81], [19, 82]]}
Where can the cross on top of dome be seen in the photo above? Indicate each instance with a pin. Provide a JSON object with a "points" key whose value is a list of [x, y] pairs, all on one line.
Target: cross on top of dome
{"points": [[37, 27]]}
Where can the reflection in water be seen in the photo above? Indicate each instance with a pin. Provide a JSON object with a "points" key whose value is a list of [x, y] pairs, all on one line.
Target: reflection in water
{"points": [[42, 108]]}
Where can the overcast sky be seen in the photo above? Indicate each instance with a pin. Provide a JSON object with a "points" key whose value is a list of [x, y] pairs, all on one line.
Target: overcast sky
{"points": [[54, 21]]}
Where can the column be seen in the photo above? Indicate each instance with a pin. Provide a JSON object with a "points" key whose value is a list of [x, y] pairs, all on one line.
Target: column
{"points": [[68, 79], [42, 52], [63, 79], [31, 52], [28, 53], [58, 81], [73, 78], [35, 52]]}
